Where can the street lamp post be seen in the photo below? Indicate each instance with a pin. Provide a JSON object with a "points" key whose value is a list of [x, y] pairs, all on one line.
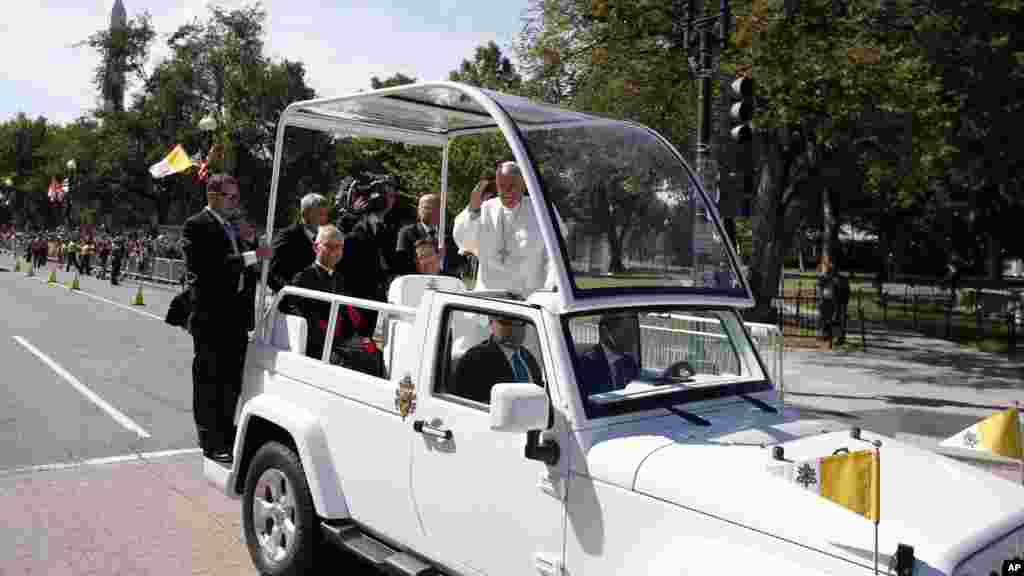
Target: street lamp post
{"points": [[70, 184], [711, 30]]}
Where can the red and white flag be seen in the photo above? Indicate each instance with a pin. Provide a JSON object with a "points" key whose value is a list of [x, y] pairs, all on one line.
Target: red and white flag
{"points": [[204, 170]]}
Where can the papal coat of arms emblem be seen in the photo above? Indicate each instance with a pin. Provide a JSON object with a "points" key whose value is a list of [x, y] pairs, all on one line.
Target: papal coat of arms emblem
{"points": [[405, 397], [805, 475], [970, 439]]}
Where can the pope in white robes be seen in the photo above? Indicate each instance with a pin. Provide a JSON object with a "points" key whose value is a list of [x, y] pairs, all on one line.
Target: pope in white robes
{"points": [[504, 235]]}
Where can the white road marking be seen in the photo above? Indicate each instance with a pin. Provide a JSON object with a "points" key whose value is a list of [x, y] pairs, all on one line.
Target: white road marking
{"points": [[92, 396], [140, 456]]}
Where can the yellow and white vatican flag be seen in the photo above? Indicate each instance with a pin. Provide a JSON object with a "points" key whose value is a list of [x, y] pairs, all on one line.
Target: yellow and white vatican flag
{"points": [[998, 434], [851, 480], [177, 161]]}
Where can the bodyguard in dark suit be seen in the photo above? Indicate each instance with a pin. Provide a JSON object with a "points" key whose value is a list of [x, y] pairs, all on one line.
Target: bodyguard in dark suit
{"points": [[369, 262], [217, 258], [293, 248], [610, 364], [428, 213], [501, 358]]}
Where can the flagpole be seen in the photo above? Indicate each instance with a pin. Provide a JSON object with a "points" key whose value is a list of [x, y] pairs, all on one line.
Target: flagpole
{"points": [[875, 481], [877, 478]]}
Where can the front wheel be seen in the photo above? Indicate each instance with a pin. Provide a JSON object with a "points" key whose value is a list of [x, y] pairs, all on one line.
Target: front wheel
{"points": [[281, 527]]}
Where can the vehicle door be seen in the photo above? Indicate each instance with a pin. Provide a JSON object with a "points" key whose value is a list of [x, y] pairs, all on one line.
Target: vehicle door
{"points": [[483, 506], [366, 438]]}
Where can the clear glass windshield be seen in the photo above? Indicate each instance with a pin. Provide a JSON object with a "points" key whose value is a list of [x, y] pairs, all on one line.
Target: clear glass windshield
{"points": [[633, 216], [630, 360]]}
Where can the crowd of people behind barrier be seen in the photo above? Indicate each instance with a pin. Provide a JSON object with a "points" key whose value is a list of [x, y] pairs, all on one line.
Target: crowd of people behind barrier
{"points": [[93, 250]]}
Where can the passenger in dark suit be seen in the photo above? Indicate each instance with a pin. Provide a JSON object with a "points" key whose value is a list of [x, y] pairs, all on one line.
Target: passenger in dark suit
{"points": [[322, 275], [610, 364], [293, 247], [221, 311], [501, 358], [428, 213]]}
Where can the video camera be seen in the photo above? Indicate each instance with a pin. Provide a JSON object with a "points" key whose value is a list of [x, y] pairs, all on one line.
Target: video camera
{"points": [[370, 186]]}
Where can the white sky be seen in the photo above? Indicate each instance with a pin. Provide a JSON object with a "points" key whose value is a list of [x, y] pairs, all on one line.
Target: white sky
{"points": [[342, 43]]}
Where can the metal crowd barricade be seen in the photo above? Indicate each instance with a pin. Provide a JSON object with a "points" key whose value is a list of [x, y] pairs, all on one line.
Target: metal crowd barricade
{"points": [[666, 344]]}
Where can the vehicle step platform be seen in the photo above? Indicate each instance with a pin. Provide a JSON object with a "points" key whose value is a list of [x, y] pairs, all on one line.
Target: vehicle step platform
{"points": [[351, 538]]}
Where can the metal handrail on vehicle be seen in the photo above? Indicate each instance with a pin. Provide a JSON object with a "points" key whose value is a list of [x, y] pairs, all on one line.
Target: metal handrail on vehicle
{"points": [[335, 300]]}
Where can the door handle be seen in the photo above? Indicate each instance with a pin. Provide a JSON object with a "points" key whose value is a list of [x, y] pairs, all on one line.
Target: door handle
{"points": [[427, 430]]}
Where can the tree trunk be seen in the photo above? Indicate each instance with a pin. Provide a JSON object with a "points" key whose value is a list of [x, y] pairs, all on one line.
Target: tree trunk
{"points": [[774, 220], [830, 227], [994, 257]]}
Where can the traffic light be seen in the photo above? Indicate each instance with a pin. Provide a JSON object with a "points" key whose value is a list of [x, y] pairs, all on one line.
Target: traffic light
{"points": [[742, 111]]}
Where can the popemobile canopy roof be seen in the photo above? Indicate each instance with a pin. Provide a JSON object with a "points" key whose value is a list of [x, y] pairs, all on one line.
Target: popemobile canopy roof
{"points": [[434, 113]]}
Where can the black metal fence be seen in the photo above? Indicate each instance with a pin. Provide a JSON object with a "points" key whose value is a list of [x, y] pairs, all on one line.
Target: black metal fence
{"points": [[990, 319]]}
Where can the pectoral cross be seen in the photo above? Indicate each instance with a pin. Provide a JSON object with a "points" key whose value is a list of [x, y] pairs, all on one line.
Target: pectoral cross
{"points": [[503, 254]]}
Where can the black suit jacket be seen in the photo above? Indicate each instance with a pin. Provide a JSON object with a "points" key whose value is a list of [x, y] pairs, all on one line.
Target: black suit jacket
{"points": [[317, 312], [293, 251], [596, 374], [485, 365], [213, 270], [369, 260], [405, 251]]}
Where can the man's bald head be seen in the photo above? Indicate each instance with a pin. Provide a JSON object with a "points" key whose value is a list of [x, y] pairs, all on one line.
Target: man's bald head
{"points": [[510, 184], [329, 245]]}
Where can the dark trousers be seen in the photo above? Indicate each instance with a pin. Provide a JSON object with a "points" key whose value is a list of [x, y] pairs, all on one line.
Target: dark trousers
{"points": [[71, 261], [115, 271], [83, 264], [216, 381]]}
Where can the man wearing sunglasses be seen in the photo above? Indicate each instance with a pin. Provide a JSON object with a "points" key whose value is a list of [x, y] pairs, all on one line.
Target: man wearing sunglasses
{"points": [[219, 259], [499, 359]]}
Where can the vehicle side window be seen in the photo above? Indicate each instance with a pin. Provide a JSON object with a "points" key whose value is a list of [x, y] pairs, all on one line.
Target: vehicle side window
{"points": [[480, 350]]}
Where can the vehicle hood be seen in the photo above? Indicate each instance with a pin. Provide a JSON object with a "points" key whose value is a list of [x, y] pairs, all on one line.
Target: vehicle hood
{"points": [[946, 510]]}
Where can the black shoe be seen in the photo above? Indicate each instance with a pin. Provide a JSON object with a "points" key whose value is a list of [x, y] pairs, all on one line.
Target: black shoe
{"points": [[224, 457]]}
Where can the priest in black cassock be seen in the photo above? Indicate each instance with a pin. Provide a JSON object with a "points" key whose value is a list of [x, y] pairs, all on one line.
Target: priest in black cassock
{"points": [[322, 275]]}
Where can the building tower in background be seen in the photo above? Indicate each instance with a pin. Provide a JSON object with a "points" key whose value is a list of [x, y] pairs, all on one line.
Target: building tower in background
{"points": [[113, 86]]}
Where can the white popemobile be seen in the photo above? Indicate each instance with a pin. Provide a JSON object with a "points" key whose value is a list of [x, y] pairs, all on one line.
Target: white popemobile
{"points": [[662, 467]]}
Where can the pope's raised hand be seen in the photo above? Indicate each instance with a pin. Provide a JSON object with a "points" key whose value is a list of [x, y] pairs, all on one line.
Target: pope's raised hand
{"points": [[476, 196]]}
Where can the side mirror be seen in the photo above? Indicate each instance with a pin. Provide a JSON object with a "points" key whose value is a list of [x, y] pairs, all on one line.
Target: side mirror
{"points": [[518, 408], [524, 408]]}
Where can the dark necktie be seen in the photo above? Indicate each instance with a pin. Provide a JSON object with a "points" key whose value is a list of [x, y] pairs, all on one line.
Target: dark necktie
{"points": [[522, 373]]}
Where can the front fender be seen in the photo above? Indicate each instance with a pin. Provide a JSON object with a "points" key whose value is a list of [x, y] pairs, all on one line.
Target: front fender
{"points": [[311, 442]]}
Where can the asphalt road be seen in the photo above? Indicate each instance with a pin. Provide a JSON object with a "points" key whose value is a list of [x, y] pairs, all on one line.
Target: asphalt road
{"points": [[87, 378]]}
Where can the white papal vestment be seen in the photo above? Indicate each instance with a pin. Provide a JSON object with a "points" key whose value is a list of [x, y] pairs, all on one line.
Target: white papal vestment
{"points": [[508, 246]]}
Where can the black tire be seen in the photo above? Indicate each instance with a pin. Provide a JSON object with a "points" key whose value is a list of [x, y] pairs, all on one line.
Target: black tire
{"points": [[271, 462]]}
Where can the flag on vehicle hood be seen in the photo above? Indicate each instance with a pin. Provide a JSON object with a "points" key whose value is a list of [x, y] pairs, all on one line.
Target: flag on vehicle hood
{"points": [[997, 434], [176, 161], [851, 480]]}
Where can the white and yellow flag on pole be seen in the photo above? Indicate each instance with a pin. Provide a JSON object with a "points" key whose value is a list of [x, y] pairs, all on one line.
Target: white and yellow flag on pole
{"points": [[998, 434], [177, 161], [851, 480]]}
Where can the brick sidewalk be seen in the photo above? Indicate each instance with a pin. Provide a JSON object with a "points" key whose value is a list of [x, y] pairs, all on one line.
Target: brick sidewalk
{"points": [[156, 517]]}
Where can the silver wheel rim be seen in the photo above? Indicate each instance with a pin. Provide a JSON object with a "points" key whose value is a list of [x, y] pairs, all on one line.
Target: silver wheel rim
{"points": [[273, 515]]}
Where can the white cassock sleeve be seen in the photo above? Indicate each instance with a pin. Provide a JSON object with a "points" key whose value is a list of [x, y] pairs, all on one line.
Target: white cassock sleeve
{"points": [[466, 232]]}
